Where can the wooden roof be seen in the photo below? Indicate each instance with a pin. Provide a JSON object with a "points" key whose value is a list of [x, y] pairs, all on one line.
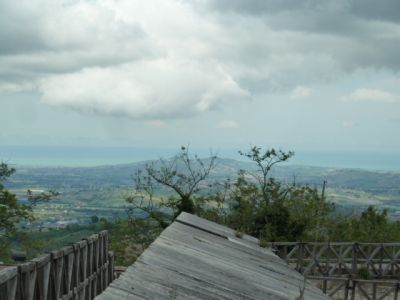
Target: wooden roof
{"points": [[198, 259]]}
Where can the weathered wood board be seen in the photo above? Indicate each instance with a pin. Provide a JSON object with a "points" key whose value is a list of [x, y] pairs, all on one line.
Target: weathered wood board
{"points": [[80, 271], [197, 259]]}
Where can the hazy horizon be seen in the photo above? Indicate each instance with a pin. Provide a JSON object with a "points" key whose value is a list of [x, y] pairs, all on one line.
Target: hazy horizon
{"points": [[90, 156]]}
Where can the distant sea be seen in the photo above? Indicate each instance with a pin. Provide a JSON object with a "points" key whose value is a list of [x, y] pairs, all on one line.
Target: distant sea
{"points": [[95, 156]]}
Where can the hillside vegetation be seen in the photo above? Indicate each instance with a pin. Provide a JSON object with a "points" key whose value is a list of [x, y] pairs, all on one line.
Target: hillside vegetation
{"points": [[136, 201]]}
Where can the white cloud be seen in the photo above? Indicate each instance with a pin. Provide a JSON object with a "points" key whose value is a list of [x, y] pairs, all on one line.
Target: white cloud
{"points": [[167, 58], [301, 92], [228, 124], [372, 95], [156, 89], [6, 87]]}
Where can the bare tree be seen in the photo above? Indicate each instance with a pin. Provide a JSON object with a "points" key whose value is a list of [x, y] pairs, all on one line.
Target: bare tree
{"points": [[183, 174], [142, 201]]}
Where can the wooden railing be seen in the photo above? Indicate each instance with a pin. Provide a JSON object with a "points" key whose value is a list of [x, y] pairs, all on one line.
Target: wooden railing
{"points": [[80, 271], [348, 288], [341, 269], [376, 260]]}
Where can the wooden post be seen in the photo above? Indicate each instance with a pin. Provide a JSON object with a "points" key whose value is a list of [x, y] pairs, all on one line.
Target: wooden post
{"points": [[300, 258], [381, 253], [26, 281], [56, 277], [75, 272], [353, 289], [374, 291], [346, 290], [85, 268], [8, 282], [354, 264], [110, 267], [68, 256], [43, 265]]}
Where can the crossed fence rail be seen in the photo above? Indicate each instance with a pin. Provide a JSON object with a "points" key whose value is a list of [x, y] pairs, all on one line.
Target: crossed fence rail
{"points": [[338, 268], [78, 272], [350, 288]]}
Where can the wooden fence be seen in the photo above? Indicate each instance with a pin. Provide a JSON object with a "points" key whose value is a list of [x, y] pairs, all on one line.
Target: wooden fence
{"points": [[79, 272], [341, 269], [376, 260], [348, 288]]}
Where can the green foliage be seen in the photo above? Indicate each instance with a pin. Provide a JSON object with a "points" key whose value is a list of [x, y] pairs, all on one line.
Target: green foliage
{"points": [[129, 238], [262, 206], [94, 219], [254, 203], [363, 273], [272, 210], [372, 225], [12, 212]]}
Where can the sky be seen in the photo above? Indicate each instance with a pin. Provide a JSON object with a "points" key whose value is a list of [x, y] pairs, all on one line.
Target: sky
{"points": [[300, 75]]}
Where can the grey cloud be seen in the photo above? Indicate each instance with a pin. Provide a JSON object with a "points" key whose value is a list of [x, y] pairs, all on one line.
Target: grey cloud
{"points": [[347, 18], [55, 28], [19, 29], [346, 33], [248, 47], [257, 6], [384, 10]]}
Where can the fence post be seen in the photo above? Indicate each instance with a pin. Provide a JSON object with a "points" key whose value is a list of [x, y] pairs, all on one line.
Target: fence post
{"points": [[381, 261], [43, 265], [353, 289], [68, 256], [8, 283], [346, 290], [57, 268], [111, 259], [354, 264], [26, 281], [374, 291], [300, 257]]}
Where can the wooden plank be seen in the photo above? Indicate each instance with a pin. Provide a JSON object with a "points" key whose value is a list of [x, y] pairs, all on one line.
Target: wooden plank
{"points": [[26, 281], [215, 228], [43, 266], [8, 282], [192, 262]]}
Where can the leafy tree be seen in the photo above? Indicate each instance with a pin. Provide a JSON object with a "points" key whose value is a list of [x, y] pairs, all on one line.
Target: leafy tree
{"points": [[260, 199], [310, 208], [372, 225], [94, 219], [264, 162], [267, 208], [12, 211]]}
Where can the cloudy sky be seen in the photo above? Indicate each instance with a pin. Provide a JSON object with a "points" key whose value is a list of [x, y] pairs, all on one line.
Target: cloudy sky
{"points": [[312, 74]]}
